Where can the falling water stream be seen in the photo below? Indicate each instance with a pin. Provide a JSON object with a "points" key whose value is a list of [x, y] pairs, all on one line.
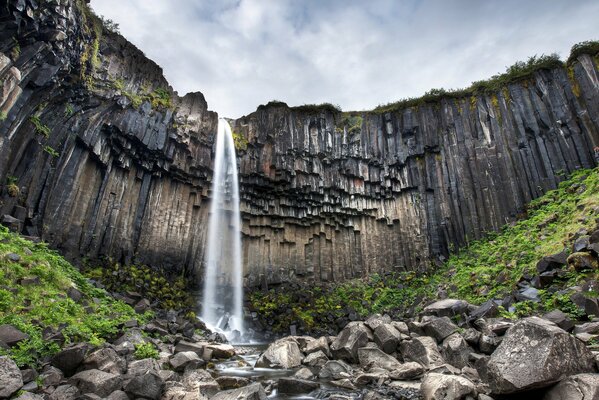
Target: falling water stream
{"points": [[222, 304]]}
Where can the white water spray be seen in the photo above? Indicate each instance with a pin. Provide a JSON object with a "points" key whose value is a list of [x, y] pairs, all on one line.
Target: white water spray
{"points": [[222, 305]]}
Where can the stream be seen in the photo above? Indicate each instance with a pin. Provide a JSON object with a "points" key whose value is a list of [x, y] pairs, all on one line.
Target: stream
{"points": [[242, 365]]}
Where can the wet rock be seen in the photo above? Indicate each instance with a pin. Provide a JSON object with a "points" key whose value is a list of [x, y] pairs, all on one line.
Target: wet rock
{"points": [[148, 386], [232, 382], [374, 357], [344, 383], [185, 359], [96, 382], [106, 360], [350, 339], [439, 327], [455, 350], [251, 392], [296, 386], [441, 387], [317, 359], [535, 353], [304, 373], [376, 377], [387, 337], [70, 358], [576, 387], [422, 350], [284, 353], [220, 350], [335, 369], [10, 377], [407, 371], [11, 335], [446, 308]]}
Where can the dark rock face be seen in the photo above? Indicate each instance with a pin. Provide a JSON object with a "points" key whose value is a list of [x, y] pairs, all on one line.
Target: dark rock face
{"points": [[131, 181]]}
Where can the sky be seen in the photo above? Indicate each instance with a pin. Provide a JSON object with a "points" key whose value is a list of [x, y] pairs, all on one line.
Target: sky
{"points": [[351, 53]]}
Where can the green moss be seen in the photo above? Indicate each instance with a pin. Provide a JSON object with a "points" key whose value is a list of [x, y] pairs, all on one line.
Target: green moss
{"points": [[11, 186], [241, 142], [40, 127], [15, 52], [146, 350], [51, 151], [350, 122], [69, 110], [3, 116], [33, 305]]}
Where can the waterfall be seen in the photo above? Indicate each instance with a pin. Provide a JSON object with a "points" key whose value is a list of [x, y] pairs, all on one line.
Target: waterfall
{"points": [[222, 305]]}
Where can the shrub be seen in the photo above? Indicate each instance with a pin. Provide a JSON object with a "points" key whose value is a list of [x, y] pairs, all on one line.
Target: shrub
{"points": [[590, 47], [145, 350]]}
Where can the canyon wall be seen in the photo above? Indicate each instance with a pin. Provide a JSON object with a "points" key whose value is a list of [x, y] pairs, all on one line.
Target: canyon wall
{"points": [[100, 158]]}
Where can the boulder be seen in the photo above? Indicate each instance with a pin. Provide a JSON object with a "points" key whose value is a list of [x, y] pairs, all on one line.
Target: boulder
{"points": [[350, 339], [441, 387], [576, 387], [147, 386], [387, 337], [446, 308], [374, 321], [422, 350], [376, 358], [11, 379], [407, 371], [185, 359], [11, 335], [284, 353], [232, 382], [200, 381], [296, 386], [488, 309], [377, 377], [189, 346], [320, 344], [97, 382], [439, 327], [106, 360], [455, 350], [118, 395], [220, 350], [251, 392], [588, 327], [70, 358], [317, 359], [560, 318], [51, 376], [582, 261], [536, 353], [335, 369], [552, 262], [304, 373], [64, 392], [140, 367]]}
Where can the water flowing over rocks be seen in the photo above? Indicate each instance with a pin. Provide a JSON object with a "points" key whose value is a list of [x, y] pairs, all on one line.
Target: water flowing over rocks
{"points": [[121, 175]]}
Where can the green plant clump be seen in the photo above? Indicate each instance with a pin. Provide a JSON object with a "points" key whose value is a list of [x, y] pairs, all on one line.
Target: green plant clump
{"points": [[3, 116], [145, 350], [32, 298], [590, 47], [240, 141], [51, 151], [40, 127]]}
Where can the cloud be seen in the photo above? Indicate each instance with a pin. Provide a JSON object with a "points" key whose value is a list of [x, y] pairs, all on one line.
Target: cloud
{"points": [[357, 54]]}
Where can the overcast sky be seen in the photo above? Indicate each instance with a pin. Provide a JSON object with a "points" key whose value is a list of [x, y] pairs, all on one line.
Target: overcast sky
{"points": [[356, 54]]}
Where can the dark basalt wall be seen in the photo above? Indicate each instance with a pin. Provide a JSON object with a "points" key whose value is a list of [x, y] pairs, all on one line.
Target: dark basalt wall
{"points": [[129, 177]]}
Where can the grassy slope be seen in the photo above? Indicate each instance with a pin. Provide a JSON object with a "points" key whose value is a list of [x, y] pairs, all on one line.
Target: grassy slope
{"points": [[486, 269], [34, 306]]}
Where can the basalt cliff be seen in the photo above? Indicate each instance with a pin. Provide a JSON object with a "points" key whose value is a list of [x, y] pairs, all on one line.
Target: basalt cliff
{"points": [[101, 158]]}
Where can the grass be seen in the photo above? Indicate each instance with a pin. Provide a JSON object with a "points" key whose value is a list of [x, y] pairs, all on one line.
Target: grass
{"points": [[486, 269], [145, 350], [32, 298], [40, 127]]}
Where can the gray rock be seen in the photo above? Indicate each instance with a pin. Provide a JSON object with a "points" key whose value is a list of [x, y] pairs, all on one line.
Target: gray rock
{"points": [[576, 387], [422, 350], [10, 377], [148, 386], [284, 353], [97, 382], [28, 375], [350, 339], [51, 376], [251, 392], [536, 353], [304, 373], [335, 369], [106, 360], [374, 321], [317, 359], [189, 346], [118, 395], [376, 358], [29, 396], [488, 343], [446, 308], [200, 381], [439, 327], [220, 350], [559, 318], [11, 335], [140, 367], [297, 386], [320, 344], [70, 358], [232, 382], [588, 327], [443, 387], [455, 350], [387, 337], [407, 371], [185, 359]]}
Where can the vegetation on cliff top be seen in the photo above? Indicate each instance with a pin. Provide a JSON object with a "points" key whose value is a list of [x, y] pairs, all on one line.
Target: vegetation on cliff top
{"points": [[34, 283], [489, 268]]}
